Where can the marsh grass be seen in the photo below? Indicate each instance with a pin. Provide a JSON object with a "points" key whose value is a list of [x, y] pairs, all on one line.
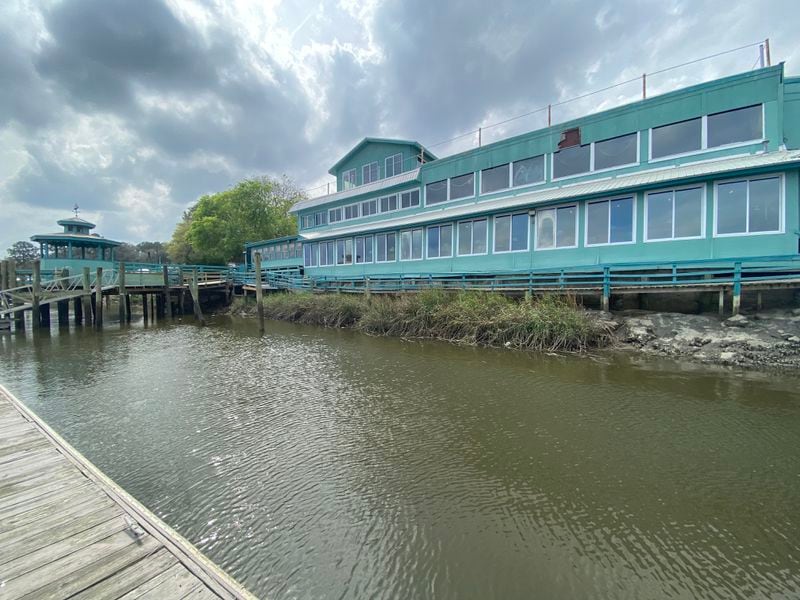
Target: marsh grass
{"points": [[548, 323]]}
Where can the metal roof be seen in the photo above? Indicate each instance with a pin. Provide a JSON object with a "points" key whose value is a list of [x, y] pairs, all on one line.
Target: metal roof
{"points": [[375, 186], [76, 221], [652, 177], [91, 238]]}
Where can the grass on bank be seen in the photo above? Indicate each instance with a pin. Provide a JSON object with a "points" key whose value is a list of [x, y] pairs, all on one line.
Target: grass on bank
{"points": [[477, 318]]}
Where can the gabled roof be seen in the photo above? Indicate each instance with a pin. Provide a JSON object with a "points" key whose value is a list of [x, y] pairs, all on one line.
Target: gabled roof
{"points": [[372, 140]]}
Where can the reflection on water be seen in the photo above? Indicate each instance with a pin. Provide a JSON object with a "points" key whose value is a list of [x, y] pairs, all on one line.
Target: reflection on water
{"points": [[312, 463]]}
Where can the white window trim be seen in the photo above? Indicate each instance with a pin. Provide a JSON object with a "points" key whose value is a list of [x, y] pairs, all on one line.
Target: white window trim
{"points": [[781, 190], [634, 197], [422, 249], [394, 233], [330, 210], [355, 252], [377, 171], [555, 207], [475, 175], [703, 211], [511, 223], [400, 199], [592, 170], [358, 211], [354, 182], [452, 239], [386, 165], [472, 241], [704, 149]]}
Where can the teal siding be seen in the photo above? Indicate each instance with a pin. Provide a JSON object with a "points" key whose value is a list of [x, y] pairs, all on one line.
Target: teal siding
{"points": [[376, 152]]}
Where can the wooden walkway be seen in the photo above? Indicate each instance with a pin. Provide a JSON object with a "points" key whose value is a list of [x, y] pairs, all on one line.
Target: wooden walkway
{"points": [[67, 531]]}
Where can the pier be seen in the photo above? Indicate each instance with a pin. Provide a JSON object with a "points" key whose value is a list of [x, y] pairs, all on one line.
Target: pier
{"points": [[68, 531]]}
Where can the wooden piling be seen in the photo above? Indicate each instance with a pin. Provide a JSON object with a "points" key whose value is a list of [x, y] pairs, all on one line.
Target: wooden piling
{"points": [[98, 299], [721, 301], [167, 303], [77, 310], [37, 294], [63, 313], [86, 298], [195, 291], [4, 275], [19, 316], [145, 310], [123, 305], [759, 302], [259, 292]]}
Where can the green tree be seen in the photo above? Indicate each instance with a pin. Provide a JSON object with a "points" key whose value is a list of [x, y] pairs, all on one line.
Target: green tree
{"points": [[215, 230], [144, 252], [23, 252]]}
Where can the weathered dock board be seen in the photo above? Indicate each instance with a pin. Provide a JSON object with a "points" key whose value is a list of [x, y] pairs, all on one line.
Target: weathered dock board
{"points": [[67, 531]]}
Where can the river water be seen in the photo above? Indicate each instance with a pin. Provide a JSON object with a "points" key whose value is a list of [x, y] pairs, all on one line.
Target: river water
{"points": [[314, 463]]}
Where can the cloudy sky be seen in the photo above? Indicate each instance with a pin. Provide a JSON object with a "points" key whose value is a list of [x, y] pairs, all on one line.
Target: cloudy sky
{"points": [[135, 108]]}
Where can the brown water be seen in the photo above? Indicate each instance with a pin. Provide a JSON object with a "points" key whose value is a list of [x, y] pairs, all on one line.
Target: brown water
{"points": [[313, 463]]}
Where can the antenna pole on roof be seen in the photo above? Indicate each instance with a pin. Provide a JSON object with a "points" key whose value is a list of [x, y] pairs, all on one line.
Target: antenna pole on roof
{"points": [[76, 209], [766, 48], [479, 137], [549, 115], [644, 86]]}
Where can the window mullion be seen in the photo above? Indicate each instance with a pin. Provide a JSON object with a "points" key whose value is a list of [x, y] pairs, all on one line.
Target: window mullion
{"points": [[591, 157], [704, 133], [747, 214]]}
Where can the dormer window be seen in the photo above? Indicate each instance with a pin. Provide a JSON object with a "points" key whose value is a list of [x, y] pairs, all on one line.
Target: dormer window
{"points": [[369, 172], [394, 165], [349, 179]]}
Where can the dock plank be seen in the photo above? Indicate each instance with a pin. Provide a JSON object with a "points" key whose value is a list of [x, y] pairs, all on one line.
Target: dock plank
{"points": [[67, 531]]}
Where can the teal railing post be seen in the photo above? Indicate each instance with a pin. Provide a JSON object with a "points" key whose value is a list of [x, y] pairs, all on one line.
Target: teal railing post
{"points": [[737, 287], [606, 289], [674, 273]]}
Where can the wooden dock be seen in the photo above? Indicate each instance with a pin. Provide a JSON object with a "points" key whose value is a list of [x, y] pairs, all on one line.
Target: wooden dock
{"points": [[67, 531]]}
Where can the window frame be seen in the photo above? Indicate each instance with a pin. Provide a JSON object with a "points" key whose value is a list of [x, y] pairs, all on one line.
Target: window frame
{"points": [[346, 179], [634, 201], [357, 207], [313, 249], [448, 197], [592, 170], [323, 218], [368, 238], [555, 207], [409, 192], [319, 259], [369, 166], [510, 232], [703, 210], [370, 201], [386, 165], [781, 198], [452, 241], [472, 237], [341, 215], [386, 234], [410, 232], [704, 148], [397, 203]]}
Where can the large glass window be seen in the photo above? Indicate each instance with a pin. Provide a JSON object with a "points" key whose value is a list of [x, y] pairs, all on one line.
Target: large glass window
{"points": [[440, 241], [326, 253], [436, 192], [734, 126], [528, 171], [511, 232], [369, 172], [344, 252], [411, 244], [495, 178], [572, 161], [609, 221], [369, 207], [677, 138], [335, 215], [409, 199], [472, 237], [385, 247], [674, 214], [615, 152], [394, 165], [307, 221], [388, 203], [462, 186], [310, 255], [557, 227], [364, 249], [320, 218], [749, 206], [351, 211], [349, 179]]}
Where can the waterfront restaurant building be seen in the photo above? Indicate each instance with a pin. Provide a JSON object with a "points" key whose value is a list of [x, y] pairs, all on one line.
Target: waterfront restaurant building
{"points": [[709, 171], [75, 247]]}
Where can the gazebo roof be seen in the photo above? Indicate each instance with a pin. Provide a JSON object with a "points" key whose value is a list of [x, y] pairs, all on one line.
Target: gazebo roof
{"points": [[77, 239], [77, 221]]}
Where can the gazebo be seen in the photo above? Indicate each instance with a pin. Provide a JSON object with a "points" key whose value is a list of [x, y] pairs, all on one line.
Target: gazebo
{"points": [[74, 245]]}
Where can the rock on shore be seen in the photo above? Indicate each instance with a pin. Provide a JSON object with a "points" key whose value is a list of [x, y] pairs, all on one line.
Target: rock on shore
{"points": [[769, 338]]}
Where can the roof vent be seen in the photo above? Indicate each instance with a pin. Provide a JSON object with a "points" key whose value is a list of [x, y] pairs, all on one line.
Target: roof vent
{"points": [[569, 138]]}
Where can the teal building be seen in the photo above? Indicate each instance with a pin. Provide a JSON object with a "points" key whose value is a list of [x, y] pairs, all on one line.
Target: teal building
{"points": [[75, 247], [710, 171]]}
